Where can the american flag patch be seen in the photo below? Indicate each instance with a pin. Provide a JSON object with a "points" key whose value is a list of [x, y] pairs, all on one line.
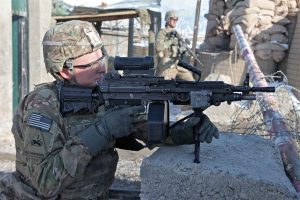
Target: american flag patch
{"points": [[40, 121]]}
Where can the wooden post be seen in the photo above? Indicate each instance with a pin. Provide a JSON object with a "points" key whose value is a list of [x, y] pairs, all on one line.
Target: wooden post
{"points": [[196, 27], [130, 37]]}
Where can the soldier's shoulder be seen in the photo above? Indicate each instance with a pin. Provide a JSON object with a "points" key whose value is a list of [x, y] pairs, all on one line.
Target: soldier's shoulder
{"points": [[163, 31], [46, 90], [43, 94]]}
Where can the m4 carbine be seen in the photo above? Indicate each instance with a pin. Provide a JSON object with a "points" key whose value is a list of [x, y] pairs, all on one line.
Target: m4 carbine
{"points": [[184, 43], [155, 93]]}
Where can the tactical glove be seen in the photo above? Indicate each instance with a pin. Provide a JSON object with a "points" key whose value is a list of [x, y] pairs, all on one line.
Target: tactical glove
{"points": [[183, 133], [113, 124]]}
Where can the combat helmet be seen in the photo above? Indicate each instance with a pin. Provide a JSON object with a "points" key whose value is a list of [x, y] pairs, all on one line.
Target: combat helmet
{"points": [[66, 41], [171, 14]]}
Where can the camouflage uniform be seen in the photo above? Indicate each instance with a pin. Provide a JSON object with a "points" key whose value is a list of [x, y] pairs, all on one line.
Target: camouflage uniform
{"points": [[51, 158], [53, 161], [168, 50]]}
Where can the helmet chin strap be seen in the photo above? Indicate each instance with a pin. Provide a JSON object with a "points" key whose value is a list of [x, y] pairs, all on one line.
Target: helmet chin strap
{"points": [[73, 79], [69, 65]]}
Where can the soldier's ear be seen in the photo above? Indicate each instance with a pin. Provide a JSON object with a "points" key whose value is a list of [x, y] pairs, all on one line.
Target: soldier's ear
{"points": [[65, 73]]}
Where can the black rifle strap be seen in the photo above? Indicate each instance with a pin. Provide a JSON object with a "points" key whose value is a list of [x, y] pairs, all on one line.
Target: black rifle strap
{"points": [[181, 120], [58, 85]]}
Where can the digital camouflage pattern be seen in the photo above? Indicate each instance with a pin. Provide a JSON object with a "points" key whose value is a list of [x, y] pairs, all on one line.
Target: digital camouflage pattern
{"points": [[168, 51], [55, 163], [68, 40]]}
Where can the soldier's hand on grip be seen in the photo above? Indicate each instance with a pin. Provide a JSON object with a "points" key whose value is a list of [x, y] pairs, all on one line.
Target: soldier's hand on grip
{"points": [[118, 123], [113, 124], [183, 133], [207, 130]]}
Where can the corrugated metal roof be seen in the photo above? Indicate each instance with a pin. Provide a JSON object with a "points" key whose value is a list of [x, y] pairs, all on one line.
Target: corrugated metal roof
{"points": [[103, 15], [71, 7]]}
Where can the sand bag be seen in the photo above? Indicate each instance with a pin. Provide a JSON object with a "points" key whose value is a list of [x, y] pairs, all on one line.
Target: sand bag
{"points": [[211, 28], [262, 37], [275, 28], [264, 54], [278, 55], [249, 21], [281, 11], [262, 4], [278, 37], [280, 20], [243, 11], [264, 20]]}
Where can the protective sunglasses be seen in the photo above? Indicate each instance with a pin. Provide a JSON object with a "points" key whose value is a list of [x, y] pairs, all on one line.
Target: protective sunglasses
{"points": [[175, 19], [100, 61]]}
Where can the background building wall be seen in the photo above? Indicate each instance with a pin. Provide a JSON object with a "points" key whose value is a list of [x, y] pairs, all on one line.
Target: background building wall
{"points": [[39, 16], [39, 19], [6, 67]]}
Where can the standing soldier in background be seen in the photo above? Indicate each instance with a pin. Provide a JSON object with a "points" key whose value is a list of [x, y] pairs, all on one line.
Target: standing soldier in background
{"points": [[74, 156], [169, 51]]}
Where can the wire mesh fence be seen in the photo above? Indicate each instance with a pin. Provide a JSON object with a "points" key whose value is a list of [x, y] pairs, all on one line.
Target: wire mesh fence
{"points": [[248, 119]]}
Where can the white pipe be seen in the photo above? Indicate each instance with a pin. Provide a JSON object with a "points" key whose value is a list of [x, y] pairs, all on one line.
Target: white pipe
{"points": [[276, 127]]}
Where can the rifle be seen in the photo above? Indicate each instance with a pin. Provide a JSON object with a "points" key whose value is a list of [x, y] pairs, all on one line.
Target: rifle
{"points": [[156, 93], [185, 43]]}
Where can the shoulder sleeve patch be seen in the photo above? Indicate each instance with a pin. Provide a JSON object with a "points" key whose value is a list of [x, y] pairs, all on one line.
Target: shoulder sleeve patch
{"points": [[39, 121]]}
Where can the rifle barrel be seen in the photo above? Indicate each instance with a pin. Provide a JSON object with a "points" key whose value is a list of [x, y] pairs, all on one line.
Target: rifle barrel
{"points": [[263, 89]]}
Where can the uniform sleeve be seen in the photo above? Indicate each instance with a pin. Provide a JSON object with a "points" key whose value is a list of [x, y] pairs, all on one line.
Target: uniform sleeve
{"points": [[53, 159], [140, 127], [160, 41]]}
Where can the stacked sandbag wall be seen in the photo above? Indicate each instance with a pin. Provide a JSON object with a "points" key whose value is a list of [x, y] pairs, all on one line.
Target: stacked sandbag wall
{"points": [[263, 22], [216, 36]]}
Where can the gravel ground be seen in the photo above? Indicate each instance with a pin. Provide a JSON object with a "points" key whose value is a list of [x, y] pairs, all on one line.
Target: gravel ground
{"points": [[128, 170]]}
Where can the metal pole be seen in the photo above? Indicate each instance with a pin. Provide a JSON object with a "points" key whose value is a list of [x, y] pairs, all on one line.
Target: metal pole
{"points": [[130, 37], [196, 26], [23, 57], [276, 127]]}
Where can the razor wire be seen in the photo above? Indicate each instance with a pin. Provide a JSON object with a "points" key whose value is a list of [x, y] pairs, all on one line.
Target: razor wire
{"points": [[248, 118]]}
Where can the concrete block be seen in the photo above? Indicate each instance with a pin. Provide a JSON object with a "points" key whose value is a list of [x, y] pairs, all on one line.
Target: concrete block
{"points": [[232, 167]]}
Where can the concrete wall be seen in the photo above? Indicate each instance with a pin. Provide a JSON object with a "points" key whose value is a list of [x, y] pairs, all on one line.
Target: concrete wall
{"points": [[6, 83], [232, 65], [233, 167], [39, 16]]}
